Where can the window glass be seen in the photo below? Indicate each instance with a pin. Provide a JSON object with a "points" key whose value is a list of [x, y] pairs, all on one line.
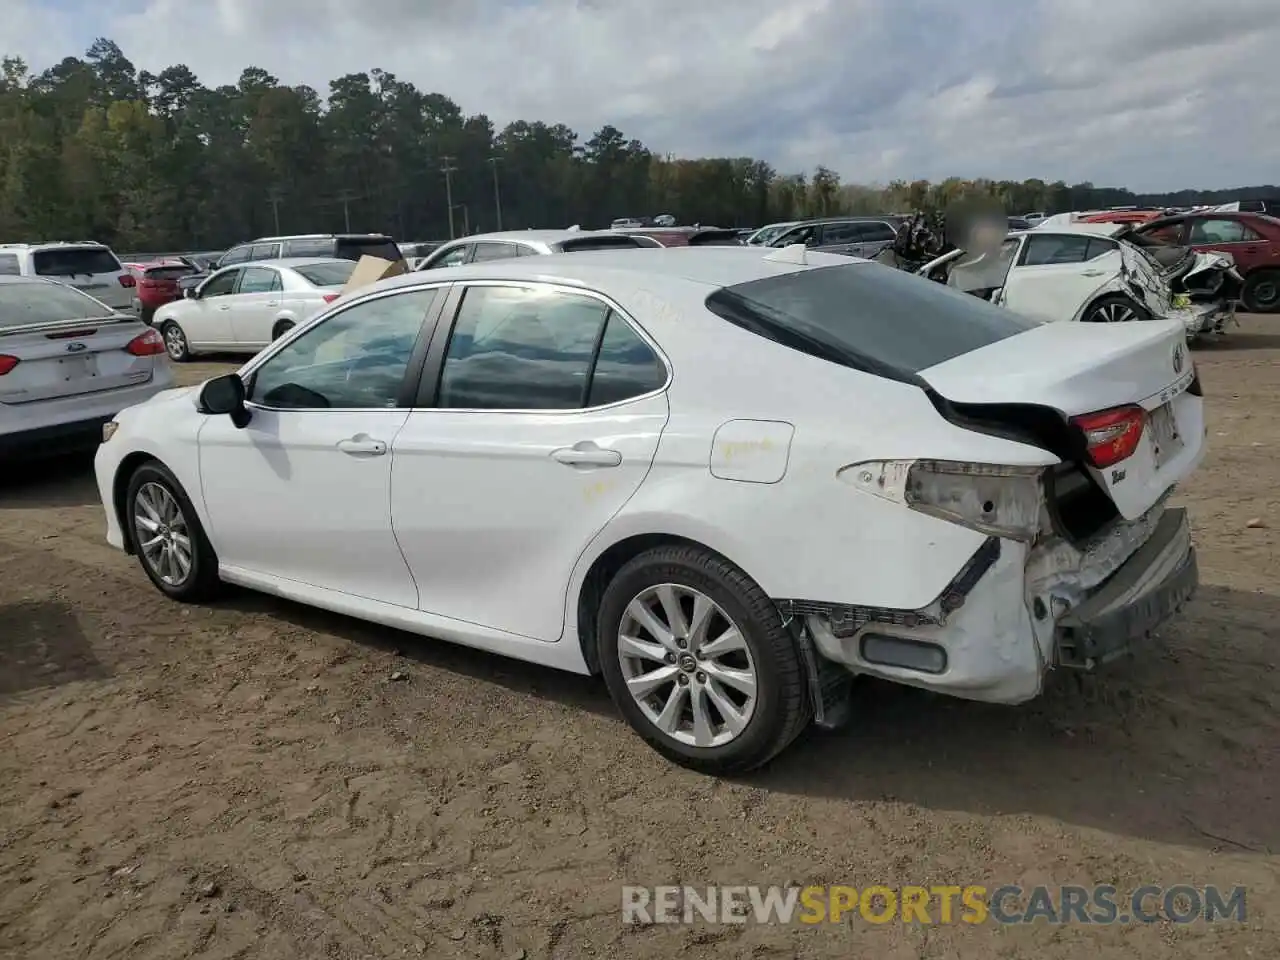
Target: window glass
{"points": [[220, 284], [494, 251], [878, 231], [1045, 250], [841, 233], [264, 251], [74, 261], [258, 280], [314, 247], [1221, 231], [354, 360], [235, 255], [333, 274], [626, 366], [1099, 247], [32, 301], [353, 248], [867, 316], [449, 257], [1168, 233], [9, 265], [520, 349]]}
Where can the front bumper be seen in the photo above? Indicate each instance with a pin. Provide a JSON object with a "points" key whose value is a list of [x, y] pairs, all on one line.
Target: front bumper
{"points": [[1151, 585]]}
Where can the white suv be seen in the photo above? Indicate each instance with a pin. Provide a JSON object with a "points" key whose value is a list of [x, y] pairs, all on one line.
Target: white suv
{"points": [[87, 266]]}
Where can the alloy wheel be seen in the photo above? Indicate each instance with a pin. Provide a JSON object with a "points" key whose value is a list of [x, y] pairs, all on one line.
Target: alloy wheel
{"points": [[687, 665], [1114, 312], [175, 342], [163, 535]]}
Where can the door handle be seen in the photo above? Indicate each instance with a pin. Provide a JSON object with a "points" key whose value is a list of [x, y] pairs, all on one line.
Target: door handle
{"points": [[586, 454], [225, 306], [1092, 273], [362, 445], [273, 303]]}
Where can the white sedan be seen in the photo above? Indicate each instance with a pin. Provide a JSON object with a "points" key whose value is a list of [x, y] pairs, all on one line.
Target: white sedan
{"points": [[243, 308], [1092, 272], [728, 479]]}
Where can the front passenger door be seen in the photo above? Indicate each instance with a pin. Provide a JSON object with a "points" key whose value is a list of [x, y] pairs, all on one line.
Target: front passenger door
{"points": [[206, 319], [301, 495]]}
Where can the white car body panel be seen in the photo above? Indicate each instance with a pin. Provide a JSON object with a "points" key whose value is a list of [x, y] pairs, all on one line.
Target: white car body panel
{"points": [[466, 527]]}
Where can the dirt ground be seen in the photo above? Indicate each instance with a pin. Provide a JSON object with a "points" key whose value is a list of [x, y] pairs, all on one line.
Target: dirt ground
{"points": [[261, 780]]}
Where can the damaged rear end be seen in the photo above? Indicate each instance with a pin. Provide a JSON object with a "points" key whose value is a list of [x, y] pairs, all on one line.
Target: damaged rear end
{"points": [[1082, 556], [1200, 290]]}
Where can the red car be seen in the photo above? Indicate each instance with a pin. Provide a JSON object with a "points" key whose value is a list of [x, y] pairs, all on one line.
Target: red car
{"points": [[157, 284], [1253, 239]]}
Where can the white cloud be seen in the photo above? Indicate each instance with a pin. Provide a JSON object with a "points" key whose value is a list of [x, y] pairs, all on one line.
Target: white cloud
{"points": [[1153, 94]]}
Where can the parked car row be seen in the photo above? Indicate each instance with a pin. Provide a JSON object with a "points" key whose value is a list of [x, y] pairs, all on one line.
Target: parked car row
{"points": [[532, 456]]}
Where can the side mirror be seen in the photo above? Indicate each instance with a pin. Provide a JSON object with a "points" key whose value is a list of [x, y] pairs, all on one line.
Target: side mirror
{"points": [[226, 394], [188, 293]]}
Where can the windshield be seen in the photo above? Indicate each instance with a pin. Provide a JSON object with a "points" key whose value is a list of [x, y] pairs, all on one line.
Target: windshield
{"points": [[33, 302], [327, 274], [74, 261], [867, 316]]}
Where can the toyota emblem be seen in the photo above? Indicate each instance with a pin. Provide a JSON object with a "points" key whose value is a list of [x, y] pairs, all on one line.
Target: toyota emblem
{"points": [[76, 347], [1179, 358]]}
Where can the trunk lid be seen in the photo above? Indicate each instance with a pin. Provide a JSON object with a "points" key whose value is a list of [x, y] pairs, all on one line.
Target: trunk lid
{"points": [[1080, 369], [69, 358]]}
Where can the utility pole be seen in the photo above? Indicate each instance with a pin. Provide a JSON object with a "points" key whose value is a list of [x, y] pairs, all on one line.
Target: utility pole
{"points": [[497, 193], [466, 219], [345, 198], [447, 168], [275, 198]]}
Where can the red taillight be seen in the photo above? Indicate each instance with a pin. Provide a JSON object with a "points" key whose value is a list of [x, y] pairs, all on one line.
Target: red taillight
{"points": [[1112, 435], [7, 363], [330, 297], [147, 344], [127, 281]]}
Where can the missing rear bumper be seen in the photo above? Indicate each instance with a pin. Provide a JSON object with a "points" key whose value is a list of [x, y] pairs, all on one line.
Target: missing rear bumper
{"points": [[1151, 586]]}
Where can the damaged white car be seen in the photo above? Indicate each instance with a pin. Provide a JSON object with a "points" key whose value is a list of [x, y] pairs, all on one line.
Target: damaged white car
{"points": [[1096, 272], [728, 479]]}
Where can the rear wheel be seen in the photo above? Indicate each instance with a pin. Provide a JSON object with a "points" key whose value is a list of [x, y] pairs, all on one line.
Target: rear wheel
{"points": [[281, 328], [698, 661], [167, 536], [1115, 309], [175, 342], [1261, 292]]}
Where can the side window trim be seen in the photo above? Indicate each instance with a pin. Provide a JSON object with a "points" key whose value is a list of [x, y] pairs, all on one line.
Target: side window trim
{"points": [[431, 324], [429, 384]]}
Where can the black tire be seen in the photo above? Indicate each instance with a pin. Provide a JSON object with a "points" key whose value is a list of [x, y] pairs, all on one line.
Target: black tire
{"points": [[201, 582], [281, 328], [175, 342], [782, 708], [1116, 308], [1261, 293]]}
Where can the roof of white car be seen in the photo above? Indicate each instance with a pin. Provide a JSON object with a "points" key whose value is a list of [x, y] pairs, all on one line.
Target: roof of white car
{"points": [[292, 262], [712, 266], [1080, 229]]}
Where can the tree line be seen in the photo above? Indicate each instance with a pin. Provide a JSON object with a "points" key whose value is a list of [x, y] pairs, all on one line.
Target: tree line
{"points": [[93, 148]]}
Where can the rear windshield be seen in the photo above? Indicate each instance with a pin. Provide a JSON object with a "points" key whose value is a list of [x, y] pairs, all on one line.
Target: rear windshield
{"points": [[598, 243], [33, 302], [327, 274], [867, 316], [169, 273], [74, 261], [353, 248]]}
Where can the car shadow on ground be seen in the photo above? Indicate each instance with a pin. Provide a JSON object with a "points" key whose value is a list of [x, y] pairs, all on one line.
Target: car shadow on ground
{"points": [[528, 679], [64, 481], [1176, 745]]}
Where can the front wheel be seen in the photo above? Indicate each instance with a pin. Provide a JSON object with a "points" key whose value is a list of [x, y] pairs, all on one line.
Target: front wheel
{"points": [[1115, 309], [698, 661], [167, 536], [281, 328], [175, 342], [1261, 293]]}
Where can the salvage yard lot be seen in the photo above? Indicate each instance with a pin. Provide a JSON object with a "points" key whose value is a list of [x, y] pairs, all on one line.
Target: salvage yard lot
{"points": [[262, 780]]}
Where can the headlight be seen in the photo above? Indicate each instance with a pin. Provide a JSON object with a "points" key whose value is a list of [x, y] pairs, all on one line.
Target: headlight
{"points": [[109, 430]]}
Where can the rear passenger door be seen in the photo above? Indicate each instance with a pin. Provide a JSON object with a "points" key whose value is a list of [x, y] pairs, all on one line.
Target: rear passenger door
{"points": [[255, 305], [539, 416]]}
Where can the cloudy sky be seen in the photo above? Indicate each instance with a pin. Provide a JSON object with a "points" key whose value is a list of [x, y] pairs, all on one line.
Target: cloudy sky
{"points": [[1149, 94]]}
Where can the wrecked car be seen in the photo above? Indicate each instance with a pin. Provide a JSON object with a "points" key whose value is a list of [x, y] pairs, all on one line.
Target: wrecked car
{"points": [[1097, 273]]}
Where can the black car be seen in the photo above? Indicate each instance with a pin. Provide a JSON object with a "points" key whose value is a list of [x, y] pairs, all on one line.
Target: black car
{"points": [[342, 246]]}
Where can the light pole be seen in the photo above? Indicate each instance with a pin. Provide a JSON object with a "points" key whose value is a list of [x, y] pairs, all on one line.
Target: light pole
{"points": [[447, 168], [466, 219], [497, 192]]}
